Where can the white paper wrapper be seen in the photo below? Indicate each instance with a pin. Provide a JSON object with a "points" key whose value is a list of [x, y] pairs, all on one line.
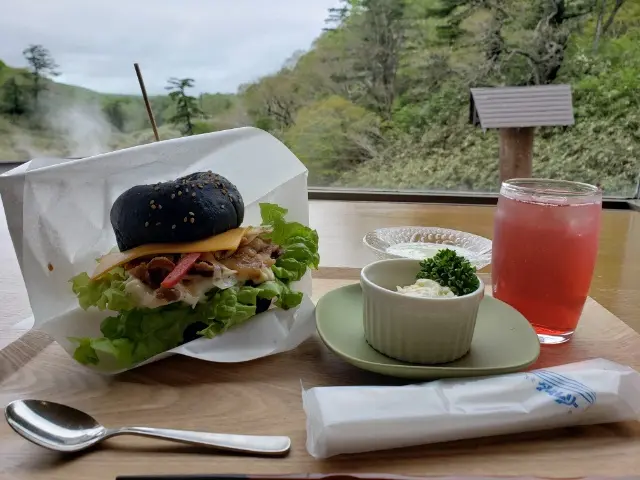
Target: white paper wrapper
{"points": [[58, 213], [361, 419]]}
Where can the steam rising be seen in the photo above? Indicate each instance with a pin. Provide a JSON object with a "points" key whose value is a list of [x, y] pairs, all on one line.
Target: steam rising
{"points": [[83, 128], [76, 128]]}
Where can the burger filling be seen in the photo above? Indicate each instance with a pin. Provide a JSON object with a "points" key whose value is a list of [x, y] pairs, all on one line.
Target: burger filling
{"points": [[158, 280]]}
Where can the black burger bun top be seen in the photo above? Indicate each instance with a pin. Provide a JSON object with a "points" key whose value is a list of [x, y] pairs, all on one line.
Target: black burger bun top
{"points": [[190, 208]]}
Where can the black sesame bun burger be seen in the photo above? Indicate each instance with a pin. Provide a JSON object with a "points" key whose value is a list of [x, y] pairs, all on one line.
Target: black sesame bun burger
{"points": [[190, 208], [185, 267]]}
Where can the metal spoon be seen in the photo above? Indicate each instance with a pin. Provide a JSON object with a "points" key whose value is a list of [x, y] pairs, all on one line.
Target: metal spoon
{"points": [[65, 429]]}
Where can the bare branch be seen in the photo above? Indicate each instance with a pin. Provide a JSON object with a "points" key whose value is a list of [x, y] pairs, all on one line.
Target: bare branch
{"points": [[533, 62], [547, 20], [603, 7], [612, 15]]}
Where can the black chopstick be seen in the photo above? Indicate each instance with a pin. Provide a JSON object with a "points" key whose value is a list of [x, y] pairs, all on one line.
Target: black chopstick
{"points": [[183, 477], [306, 476]]}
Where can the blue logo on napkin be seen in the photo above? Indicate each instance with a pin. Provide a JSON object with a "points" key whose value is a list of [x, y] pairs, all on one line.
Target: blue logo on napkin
{"points": [[564, 390]]}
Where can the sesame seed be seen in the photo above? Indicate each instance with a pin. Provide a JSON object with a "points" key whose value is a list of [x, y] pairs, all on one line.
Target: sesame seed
{"points": [[153, 206], [192, 220], [192, 214], [179, 193], [173, 227], [173, 195], [184, 219], [152, 202], [193, 194], [146, 224]]}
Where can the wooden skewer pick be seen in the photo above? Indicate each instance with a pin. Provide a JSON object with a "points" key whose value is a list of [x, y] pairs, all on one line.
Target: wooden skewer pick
{"points": [[146, 102]]}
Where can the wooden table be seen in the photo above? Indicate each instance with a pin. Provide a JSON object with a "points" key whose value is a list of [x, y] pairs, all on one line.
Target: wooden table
{"points": [[616, 281], [263, 397]]}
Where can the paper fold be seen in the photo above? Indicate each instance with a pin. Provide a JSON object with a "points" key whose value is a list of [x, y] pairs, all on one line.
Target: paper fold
{"points": [[58, 216]]}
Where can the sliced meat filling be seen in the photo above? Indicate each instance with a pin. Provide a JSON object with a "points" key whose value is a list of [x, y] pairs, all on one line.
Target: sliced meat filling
{"points": [[249, 262], [152, 272]]}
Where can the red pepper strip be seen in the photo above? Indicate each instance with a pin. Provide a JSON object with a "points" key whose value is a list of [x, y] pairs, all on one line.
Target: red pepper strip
{"points": [[180, 270]]}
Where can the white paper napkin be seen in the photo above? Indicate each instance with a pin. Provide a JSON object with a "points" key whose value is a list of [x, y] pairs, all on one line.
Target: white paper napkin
{"points": [[58, 213], [362, 419]]}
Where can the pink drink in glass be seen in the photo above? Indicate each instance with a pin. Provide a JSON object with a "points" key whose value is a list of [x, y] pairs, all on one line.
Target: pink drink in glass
{"points": [[544, 251]]}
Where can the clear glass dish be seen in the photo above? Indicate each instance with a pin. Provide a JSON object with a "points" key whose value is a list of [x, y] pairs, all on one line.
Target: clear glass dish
{"points": [[424, 242]]}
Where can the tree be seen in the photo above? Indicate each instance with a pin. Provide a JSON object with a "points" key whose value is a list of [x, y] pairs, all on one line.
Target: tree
{"points": [[602, 26], [186, 105], [536, 56], [41, 66], [13, 98], [332, 136], [115, 114], [377, 35], [273, 101]]}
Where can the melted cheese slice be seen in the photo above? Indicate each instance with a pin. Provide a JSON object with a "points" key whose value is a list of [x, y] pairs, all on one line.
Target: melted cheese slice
{"points": [[229, 240]]}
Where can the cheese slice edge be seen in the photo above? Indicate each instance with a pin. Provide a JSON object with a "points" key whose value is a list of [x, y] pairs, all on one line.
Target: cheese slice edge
{"points": [[229, 240]]}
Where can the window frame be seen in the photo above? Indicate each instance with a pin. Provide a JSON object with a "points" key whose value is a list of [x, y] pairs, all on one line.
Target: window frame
{"points": [[443, 197], [426, 196]]}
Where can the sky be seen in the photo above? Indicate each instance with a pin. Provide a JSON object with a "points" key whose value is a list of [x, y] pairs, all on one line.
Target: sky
{"points": [[221, 44]]}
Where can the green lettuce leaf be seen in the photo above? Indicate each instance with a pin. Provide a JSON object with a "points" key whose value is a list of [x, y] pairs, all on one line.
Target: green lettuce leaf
{"points": [[88, 348], [299, 243], [136, 335], [105, 293]]}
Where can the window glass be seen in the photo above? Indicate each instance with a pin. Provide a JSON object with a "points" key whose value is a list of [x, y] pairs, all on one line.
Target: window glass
{"points": [[368, 94]]}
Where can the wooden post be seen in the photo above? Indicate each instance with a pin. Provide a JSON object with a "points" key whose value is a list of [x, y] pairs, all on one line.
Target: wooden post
{"points": [[516, 152]]}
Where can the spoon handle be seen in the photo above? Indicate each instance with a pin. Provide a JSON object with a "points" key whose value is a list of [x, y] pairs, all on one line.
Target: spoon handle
{"points": [[260, 445]]}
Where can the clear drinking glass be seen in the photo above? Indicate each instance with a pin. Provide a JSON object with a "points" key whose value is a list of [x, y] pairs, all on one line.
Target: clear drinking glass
{"points": [[545, 243]]}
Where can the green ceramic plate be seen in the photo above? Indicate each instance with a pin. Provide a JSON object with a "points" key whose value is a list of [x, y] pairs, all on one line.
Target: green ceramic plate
{"points": [[503, 341]]}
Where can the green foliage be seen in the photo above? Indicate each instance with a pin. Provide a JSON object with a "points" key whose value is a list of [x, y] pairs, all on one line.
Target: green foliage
{"points": [[41, 66], [13, 101], [216, 103], [450, 270], [331, 135], [115, 113], [423, 140], [186, 106], [274, 100], [202, 127]]}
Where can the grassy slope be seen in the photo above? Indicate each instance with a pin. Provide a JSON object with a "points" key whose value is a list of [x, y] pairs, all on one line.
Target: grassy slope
{"points": [[74, 124]]}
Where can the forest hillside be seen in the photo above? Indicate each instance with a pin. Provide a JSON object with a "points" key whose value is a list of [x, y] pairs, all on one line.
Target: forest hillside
{"points": [[381, 99]]}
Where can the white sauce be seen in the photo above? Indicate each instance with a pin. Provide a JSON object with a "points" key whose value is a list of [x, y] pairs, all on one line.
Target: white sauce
{"points": [[266, 275], [426, 288], [422, 250], [192, 294]]}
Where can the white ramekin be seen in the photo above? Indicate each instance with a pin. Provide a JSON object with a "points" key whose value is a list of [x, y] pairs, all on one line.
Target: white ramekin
{"points": [[415, 329]]}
